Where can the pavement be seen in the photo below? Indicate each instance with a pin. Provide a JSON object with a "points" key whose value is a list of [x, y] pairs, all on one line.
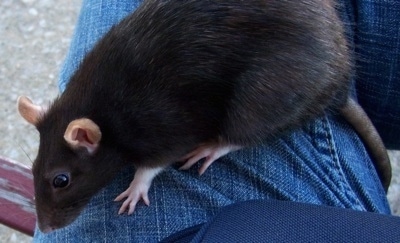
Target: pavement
{"points": [[34, 37]]}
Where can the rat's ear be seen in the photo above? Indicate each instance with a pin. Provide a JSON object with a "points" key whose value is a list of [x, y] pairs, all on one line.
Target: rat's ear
{"points": [[29, 111], [83, 133]]}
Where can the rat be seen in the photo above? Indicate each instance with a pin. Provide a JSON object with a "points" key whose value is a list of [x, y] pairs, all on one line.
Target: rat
{"points": [[187, 81]]}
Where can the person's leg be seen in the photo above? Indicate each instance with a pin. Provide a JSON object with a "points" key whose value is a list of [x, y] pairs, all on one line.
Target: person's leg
{"points": [[322, 163]]}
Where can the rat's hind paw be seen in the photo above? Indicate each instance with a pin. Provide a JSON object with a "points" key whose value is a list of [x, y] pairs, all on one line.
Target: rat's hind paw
{"points": [[210, 152]]}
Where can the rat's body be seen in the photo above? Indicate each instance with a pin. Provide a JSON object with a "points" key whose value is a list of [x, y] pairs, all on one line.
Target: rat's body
{"points": [[176, 75]]}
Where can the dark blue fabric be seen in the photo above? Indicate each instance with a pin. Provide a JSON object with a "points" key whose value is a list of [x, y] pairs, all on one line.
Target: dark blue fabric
{"points": [[185, 235], [283, 221]]}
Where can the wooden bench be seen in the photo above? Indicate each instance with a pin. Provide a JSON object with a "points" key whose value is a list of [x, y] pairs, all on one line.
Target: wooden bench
{"points": [[17, 208]]}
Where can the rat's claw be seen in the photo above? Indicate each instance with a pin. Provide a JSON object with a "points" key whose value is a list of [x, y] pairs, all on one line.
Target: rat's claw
{"points": [[210, 152]]}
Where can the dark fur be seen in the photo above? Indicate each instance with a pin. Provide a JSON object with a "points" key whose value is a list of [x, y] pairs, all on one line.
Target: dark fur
{"points": [[175, 74]]}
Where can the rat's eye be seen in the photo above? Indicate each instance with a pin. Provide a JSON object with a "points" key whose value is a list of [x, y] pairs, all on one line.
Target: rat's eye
{"points": [[61, 181]]}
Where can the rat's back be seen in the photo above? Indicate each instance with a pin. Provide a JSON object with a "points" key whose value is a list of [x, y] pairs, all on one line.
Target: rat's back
{"points": [[228, 66]]}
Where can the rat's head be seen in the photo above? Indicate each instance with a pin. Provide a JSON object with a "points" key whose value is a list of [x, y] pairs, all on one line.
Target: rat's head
{"points": [[71, 165]]}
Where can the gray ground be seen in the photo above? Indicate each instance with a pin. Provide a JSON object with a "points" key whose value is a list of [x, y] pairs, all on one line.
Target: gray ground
{"points": [[34, 36]]}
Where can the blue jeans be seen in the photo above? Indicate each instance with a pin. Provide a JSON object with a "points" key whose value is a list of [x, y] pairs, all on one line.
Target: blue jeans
{"points": [[322, 163]]}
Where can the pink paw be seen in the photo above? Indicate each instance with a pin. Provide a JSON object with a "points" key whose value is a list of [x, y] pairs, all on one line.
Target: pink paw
{"points": [[133, 195], [138, 189], [210, 152]]}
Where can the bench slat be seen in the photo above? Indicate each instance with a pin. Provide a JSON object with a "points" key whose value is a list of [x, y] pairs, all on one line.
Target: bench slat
{"points": [[16, 197]]}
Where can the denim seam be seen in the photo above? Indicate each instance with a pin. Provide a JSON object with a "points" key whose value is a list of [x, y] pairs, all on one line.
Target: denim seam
{"points": [[348, 192]]}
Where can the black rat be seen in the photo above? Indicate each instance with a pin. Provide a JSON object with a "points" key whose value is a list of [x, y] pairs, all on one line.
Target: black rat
{"points": [[186, 80]]}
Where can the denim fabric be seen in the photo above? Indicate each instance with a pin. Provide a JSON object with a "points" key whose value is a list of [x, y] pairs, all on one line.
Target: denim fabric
{"points": [[323, 163], [377, 42]]}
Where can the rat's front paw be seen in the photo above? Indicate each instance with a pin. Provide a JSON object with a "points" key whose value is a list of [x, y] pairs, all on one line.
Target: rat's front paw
{"points": [[133, 194], [138, 189]]}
